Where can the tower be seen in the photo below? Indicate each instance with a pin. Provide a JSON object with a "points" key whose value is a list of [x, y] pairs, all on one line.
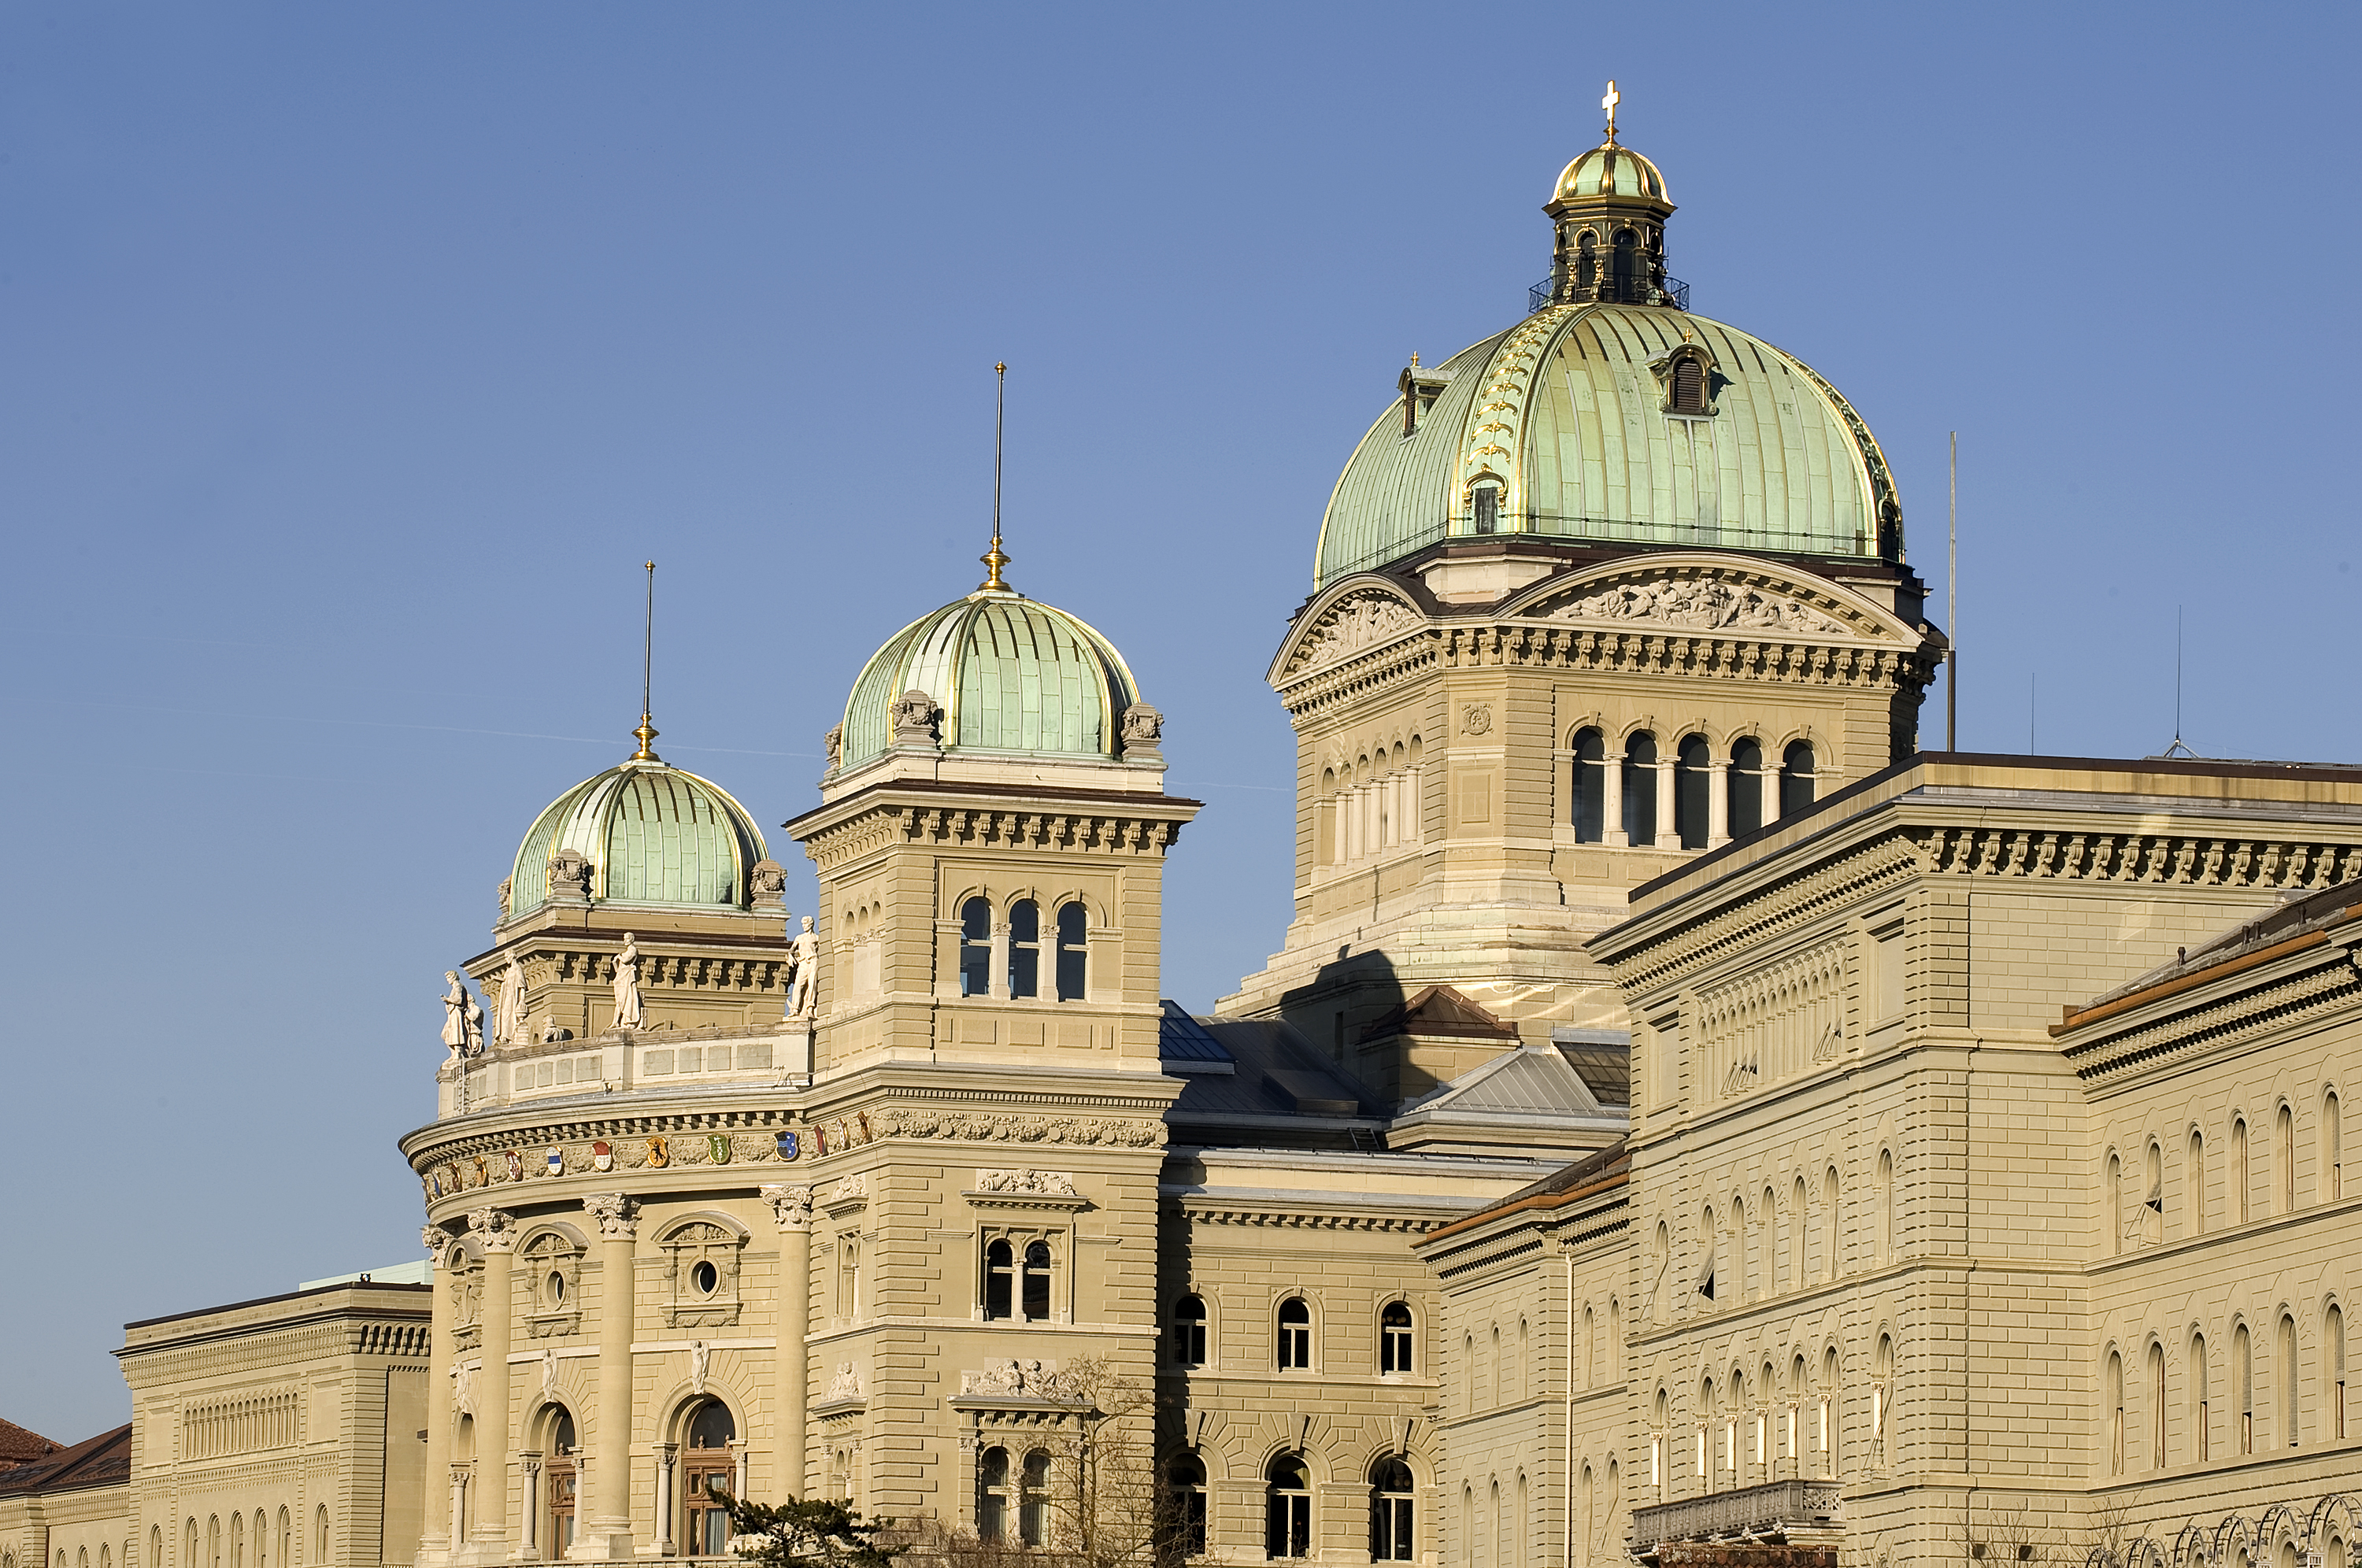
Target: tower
{"points": [[1608, 590]]}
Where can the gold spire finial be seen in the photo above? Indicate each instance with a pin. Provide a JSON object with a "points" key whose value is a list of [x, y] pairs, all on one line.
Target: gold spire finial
{"points": [[1608, 103], [646, 733], [996, 558], [1414, 359]]}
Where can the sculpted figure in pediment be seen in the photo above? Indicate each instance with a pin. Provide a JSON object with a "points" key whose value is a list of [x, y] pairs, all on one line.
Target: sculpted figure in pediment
{"points": [[1704, 604], [1355, 624]]}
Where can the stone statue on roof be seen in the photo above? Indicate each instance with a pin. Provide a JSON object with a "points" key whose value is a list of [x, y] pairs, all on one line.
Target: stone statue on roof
{"points": [[628, 1011], [456, 1003], [804, 971]]}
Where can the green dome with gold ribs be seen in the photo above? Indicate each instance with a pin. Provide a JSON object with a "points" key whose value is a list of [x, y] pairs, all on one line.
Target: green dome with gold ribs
{"points": [[1006, 675], [653, 834]]}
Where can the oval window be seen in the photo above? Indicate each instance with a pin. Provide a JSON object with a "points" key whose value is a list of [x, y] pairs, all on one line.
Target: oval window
{"points": [[705, 1276], [557, 1287]]}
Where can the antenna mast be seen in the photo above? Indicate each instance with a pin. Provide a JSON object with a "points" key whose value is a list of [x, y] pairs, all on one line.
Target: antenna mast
{"points": [[2180, 747], [1952, 616], [646, 733]]}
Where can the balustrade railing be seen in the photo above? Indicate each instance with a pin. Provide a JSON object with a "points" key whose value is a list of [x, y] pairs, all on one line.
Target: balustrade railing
{"points": [[1774, 1508]]}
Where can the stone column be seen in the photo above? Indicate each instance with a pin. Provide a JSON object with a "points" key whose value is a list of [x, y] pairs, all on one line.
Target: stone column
{"points": [[667, 1453], [530, 1463], [496, 1229], [436, 1540], [1717, 804], [605, 1535], [791, 1373], [1669, 833], [1611, 801]]}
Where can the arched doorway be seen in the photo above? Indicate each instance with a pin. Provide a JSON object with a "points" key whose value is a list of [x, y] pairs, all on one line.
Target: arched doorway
{"points": [[709, 1466], [559, 1482]]}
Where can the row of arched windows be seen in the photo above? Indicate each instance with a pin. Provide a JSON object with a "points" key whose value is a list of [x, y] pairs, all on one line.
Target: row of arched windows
{"points": [[1752, 1248], [1694, 799], [1025, 945], [225, 1544], [2138, 1202], [2229, 1419], [1294, 1345], [1369, 805], [1748, 1429]]}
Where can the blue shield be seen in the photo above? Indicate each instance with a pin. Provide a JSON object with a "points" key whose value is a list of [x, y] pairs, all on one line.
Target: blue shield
{"points": [[788, 1145]]}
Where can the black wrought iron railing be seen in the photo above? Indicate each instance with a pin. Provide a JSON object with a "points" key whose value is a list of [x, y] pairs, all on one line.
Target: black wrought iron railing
{"points": [[1674, 292]]}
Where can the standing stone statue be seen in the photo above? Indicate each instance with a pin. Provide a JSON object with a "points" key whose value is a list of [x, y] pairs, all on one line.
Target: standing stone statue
{"points": [[803, 972], [628, 1015], [509, 1023], [456, 1002]]}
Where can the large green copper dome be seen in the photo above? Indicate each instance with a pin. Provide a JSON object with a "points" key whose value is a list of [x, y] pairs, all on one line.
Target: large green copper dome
{"points": [[1005, 674], [652, 833], [1584, 426]]}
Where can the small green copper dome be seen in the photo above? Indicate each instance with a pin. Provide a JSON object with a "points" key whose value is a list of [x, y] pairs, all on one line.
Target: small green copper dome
{"points": [[652, 833], [1005, 674]]}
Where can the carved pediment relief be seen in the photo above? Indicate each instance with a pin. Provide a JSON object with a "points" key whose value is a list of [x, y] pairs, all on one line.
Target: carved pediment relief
{"points": [[1706, 598], [1356, 622]]}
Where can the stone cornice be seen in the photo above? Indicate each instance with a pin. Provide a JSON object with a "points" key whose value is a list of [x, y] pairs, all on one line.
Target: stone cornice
{"points": [[1300, 1215], [2298, 991]]}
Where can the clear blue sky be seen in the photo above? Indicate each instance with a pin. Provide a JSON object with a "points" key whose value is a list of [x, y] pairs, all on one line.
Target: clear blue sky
{"points": [[352, 359]]}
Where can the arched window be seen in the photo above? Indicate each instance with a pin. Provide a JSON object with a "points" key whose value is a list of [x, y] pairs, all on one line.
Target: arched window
{"points": [[849, 1275], [1796, 1237], [1882, 1195], [2153, 1194], [560, 1479], [2243, 1387], [2116, 1204], [1826, 1413], [1746, 786], [1689, 385], [1391, 1537], [1796, 778], [1590, 795], [2284, 1373], [1294, 1336], [2155, 1381], [156, 1544], [261, 1544], [1484, 502], [1395, 1339], [2333, 1153], [1025, 948], [1033, 1499], [1186, 1509], [2193, 1184], [2333, 1373], [2284, 1158], [237, 1541], [1626, 265], [992, 1495], [707, 1470], [1587, 262], [1831, 1262], [2237, 1174], [1034, 1293], [1073, 951], [1693, 785], [320, 1534], [189, 1546], [1190, 1331], [976, 947], [1288, 1508], [999, 1281], [2202, 1390], [1640, 789], [2112, 1395]]}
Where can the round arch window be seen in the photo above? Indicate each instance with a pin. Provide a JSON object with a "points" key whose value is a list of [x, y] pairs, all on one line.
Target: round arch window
{"points": [[705, 1276]]}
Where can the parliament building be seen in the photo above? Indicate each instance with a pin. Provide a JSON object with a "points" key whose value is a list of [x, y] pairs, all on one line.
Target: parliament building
{"points": [[1681, 1120]]}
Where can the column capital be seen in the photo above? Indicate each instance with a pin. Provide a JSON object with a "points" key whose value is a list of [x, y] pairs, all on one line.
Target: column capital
{"points": [[618, 1215], [791, 1204], [496, 1227], [434, 1238]]}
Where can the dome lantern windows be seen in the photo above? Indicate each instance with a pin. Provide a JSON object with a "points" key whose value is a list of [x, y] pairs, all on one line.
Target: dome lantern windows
{"points": [[1796, 778], [976, 947], [1746, 786], [1025, 948], [1073, 952]]}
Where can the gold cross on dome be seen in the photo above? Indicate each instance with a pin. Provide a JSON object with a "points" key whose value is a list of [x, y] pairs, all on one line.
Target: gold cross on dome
{"points": [[1608, 103]]}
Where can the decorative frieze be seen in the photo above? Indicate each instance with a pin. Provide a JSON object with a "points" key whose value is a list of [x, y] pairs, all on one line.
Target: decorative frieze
{"points": [[1141, 831], [2249, 1013]]}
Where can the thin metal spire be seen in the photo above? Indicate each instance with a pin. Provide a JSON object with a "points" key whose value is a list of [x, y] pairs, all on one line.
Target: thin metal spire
{"points": [[1952, 614], [2180, 747], [996, 558], [646, 733]]}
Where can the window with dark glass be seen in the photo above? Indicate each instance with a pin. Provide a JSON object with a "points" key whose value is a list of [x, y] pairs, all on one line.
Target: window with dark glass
{"points": [[1692, 781], [1626, 265], [976, 947], [1025, 949], [1033, 1500], [1590, 787], [1796, 778], [1640, 789], [1487, 500], [1746, 787], [1390, 1512], [992, 1495], [1190, 1331], [1035, 1291], [1184, 1511], [1587, 262], [1295, 1335], [999, 1277], [1073, 951], [1393, 1338], [1287, 1514], [1689, 385]]}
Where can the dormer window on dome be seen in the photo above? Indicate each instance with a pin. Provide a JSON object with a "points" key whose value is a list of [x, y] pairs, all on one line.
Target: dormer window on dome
{"points": [[1688, 380]]}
